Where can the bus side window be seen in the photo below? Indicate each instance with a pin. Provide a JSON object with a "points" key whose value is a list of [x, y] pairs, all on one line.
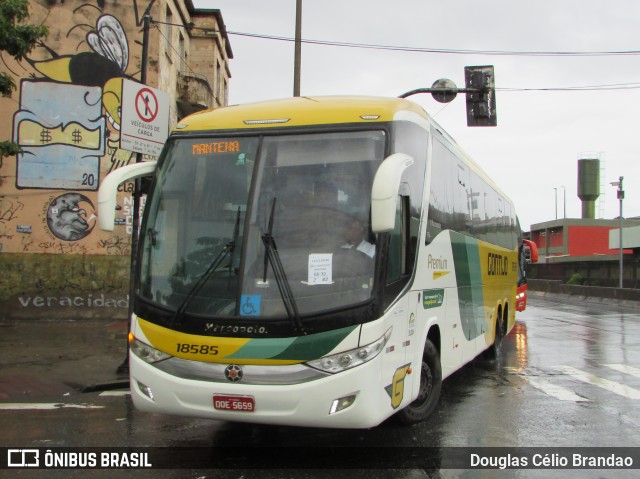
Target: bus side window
{"points": [[461, 194]]}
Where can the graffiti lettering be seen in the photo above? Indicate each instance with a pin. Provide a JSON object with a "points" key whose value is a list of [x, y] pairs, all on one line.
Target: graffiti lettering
{"points": [[116, 244], [87, 301], [9, 209], [126, 187]]}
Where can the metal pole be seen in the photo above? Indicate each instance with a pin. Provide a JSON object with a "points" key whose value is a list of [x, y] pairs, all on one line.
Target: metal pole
{"points": [[297, 55], [555, 190], [621, 197], [124, 367], [564, 202]]}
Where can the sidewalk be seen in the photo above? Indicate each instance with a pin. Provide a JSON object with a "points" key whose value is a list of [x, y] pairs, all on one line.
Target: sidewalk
{"points": [[49, 359]]}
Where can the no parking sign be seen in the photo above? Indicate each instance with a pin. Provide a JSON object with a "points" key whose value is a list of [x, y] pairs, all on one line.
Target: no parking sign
{"points": [[144, 118]]}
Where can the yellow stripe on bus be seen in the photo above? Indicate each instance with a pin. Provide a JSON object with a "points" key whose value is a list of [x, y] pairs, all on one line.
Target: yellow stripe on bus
{"points": [[211, 349]]}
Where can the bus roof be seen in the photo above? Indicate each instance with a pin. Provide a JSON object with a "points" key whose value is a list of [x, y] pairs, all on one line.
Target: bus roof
{"points": [[302, 111]]}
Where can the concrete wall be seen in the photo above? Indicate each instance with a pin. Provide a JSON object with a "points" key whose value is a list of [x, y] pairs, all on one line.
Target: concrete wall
{"points": [[551, 288], [594, 271], [45, 286]]}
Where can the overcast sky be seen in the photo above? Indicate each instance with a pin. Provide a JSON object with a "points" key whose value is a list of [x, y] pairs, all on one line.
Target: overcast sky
{"points": [[540, 134]]}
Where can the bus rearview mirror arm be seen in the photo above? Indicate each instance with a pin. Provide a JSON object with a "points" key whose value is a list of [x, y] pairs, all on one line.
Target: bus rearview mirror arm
{"points": [[384, 193], [109, 189]]}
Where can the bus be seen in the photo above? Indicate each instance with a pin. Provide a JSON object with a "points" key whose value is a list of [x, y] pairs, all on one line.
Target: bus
{"points": [[528, 255], [314, 261]]}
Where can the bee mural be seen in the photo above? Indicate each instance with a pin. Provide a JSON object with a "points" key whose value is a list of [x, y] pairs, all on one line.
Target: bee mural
{"points": [[103, 67]]}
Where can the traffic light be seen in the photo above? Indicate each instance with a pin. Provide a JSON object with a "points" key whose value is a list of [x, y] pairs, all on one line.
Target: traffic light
{"points": [[481, 96]]}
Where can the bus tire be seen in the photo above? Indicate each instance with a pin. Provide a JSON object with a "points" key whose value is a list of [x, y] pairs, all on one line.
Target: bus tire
{"points": [[494, 350], [430, 385]]}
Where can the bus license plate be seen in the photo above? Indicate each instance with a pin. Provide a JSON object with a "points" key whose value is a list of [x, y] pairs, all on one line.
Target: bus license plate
{"points": [[234, 403]]}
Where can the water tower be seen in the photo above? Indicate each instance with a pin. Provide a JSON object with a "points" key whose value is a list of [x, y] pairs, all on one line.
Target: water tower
{"points": [[589, 184]]}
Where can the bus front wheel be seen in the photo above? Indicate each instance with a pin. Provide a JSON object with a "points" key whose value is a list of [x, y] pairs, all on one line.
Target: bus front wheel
{"points": [[430, 385]]}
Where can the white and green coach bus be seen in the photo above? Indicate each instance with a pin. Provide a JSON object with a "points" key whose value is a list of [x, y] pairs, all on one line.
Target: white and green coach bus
{"points": [[314, 262]]}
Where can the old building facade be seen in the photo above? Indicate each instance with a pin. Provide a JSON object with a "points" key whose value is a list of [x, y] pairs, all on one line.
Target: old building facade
{"points": [[65, 115]]}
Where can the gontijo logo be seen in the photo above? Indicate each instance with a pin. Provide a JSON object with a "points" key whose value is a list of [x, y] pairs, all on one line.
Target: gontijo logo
{"points": [[497, 265]]}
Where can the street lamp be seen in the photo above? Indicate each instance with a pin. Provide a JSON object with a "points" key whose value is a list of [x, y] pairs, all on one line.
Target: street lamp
{"points": [[620, 198], [564, 201]]}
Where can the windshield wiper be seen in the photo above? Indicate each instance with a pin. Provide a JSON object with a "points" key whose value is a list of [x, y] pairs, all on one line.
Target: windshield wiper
{"points": [[236, 232], [273, 257], [228, 248]]}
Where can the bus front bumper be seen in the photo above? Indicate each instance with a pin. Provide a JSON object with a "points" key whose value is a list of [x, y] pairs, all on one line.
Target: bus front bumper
{"points": [[355, 398]]}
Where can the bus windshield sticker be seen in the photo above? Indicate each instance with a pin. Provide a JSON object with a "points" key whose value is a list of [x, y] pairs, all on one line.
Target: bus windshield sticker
{"points": [[250, 305], [320, 268]]}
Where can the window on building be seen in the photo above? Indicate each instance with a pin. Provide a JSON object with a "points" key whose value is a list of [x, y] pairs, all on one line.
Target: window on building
{"points": [[217, 88], [182, 61], [168, 31]]}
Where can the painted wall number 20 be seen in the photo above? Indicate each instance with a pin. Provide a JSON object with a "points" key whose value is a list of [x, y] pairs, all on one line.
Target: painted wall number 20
{"points": [[88, 179]]}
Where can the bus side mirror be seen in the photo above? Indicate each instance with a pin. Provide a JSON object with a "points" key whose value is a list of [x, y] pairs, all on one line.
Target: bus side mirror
{"points": [[384, 193], [109, 189], [533, 250]]}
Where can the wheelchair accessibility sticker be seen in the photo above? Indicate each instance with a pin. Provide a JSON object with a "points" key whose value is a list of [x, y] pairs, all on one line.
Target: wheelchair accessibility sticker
{"points": [[250, 305]]}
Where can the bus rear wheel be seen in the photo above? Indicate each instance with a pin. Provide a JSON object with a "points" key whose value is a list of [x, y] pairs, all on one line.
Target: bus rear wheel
{"points": [[494, 350], [430, 385]]}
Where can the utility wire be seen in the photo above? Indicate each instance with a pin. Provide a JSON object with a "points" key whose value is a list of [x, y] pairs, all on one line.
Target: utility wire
{"points": [[181, 57], [615, 86], [452, 51], [605, 87]]}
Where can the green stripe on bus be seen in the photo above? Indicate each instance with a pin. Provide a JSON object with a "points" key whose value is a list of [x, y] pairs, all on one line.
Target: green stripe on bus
{"points": [[301, 348], [466, 258], [315, 346], [262, 348]]}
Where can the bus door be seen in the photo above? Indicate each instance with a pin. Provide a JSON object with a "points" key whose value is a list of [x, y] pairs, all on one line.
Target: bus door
{"points": [[403, 307]]}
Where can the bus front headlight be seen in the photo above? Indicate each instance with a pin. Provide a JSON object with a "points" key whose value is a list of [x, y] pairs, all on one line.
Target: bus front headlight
{"points": [[336, 363], [147, 353]]}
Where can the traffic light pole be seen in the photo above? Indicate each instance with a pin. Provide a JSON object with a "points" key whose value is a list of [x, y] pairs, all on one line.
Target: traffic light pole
{"points": [[480, 94], [440, 91]]}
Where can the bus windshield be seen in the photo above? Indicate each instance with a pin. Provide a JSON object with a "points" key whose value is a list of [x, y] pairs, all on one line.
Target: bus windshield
{"points": [[245, 226]]}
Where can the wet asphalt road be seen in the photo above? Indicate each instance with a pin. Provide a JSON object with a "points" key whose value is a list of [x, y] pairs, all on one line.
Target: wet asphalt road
{"points": [[568, 376]]}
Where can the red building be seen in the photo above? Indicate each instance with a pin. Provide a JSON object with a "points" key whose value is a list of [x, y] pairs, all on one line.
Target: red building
{"points": [[576, 239]]}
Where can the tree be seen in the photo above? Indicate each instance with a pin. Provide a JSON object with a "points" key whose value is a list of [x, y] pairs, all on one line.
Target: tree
{"points": [[17, 39]]}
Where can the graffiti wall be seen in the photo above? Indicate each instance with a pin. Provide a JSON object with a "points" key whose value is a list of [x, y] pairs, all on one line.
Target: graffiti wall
{"points": [[65, 115]]}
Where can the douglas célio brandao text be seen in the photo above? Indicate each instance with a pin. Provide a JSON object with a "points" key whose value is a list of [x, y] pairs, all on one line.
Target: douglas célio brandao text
{"points": [[551, 460]]}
